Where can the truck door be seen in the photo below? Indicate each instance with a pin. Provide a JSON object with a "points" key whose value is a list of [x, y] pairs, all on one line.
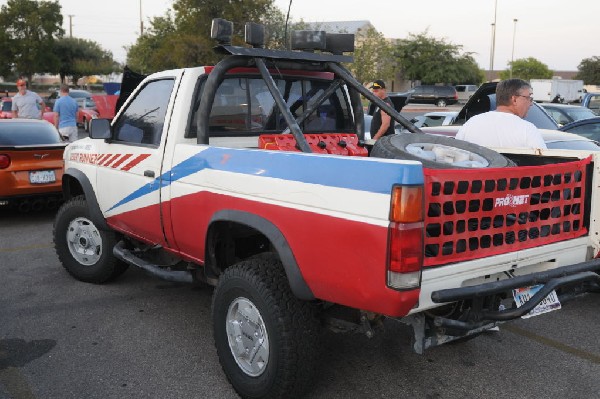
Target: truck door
{"points": [[128, 177]]}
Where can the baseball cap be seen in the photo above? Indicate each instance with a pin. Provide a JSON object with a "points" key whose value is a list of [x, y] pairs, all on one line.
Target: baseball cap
{"points": [[378, 84], [21, 82]]}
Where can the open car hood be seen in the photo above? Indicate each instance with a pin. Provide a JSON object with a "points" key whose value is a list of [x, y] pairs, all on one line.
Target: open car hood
{"points": [[106, 105]]}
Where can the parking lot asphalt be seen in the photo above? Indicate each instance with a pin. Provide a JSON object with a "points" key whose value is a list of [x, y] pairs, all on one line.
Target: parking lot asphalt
{"points": [[140, 337]]}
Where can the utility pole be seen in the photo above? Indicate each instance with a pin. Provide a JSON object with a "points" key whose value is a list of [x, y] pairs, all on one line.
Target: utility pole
{"points": [[493, 49], [512, 58], [141, 20], [71, 25]]}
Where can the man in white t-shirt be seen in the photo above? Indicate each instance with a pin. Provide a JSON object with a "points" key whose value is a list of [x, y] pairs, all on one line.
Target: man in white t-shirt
{"points": [[505, 127]]}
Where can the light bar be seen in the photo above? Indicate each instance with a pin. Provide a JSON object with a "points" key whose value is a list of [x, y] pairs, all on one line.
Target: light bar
{"points": [[254, 34], [338, 43]]}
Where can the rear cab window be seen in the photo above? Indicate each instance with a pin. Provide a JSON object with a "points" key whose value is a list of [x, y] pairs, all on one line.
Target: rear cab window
{"points": [[244, 109]]}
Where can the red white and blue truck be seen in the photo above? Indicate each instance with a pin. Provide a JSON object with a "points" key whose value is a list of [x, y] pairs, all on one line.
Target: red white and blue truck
{"points": [[252, 176]]}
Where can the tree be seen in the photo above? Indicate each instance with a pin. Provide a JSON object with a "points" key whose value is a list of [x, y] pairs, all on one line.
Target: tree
{"points": [[430, 60], [183, 38], [589, 70], [81, 57], [526, 69], [372, 58], [30, 30]]}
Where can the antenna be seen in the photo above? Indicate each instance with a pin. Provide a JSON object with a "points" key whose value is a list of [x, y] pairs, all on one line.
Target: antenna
{"points": [[285, 41]]}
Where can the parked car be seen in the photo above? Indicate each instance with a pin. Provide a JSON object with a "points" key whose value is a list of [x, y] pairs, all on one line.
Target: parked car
{"points": [[589, 128], [441, 118], [6, 112], [591, 101], [564, 113], [465, 91], [31, 164], [5, 108], [73, 93], [484, 100], [438, 95], [554, 139]]}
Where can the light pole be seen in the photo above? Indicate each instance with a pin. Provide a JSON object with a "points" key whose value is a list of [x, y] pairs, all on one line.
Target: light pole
{"points": [[493, 49], [512, 57], [141, 20]]}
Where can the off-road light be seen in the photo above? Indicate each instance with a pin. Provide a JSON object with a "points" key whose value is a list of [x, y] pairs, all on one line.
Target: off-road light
{"points": [[309, 40], [338, 43], [221, 30], [254, 34]]}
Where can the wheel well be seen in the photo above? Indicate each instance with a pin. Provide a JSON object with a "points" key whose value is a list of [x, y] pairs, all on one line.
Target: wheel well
{"points": [[229, 242], [71, 187]]}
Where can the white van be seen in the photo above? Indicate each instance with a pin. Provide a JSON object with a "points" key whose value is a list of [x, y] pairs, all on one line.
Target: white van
{"points": [[465, 91]]}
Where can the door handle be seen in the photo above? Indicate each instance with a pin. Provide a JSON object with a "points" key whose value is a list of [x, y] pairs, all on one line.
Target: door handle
{"points": [[149, 173]]}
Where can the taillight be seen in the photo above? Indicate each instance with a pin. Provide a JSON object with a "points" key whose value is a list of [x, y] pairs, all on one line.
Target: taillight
{"points": [[4, 161], [405, 238]]}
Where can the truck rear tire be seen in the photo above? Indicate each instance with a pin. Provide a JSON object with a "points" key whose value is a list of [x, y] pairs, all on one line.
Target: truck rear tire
{"points": [[266, 339], [84, 250], [438, 152]]}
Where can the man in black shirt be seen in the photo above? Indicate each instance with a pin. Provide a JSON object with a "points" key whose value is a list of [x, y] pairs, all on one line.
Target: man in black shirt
{"points": [[382, 124]]}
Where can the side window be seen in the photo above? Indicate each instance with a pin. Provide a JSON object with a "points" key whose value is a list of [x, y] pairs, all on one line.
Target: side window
{"points": [[143, 120], [418, 90], [460, 89]]}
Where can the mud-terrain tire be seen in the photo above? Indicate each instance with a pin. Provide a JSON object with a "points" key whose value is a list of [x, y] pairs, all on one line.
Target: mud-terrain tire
{"points": [[84, 250], [266, 339], [424, 148]]}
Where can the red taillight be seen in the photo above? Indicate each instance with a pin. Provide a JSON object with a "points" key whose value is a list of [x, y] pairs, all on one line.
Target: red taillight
{"points": [[405, 238], [4, 161]]}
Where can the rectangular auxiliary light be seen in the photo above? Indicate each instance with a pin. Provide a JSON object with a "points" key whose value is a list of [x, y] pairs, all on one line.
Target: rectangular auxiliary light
{"points": [[338, 43], [309, 40], [221, 30], [254, 34]]}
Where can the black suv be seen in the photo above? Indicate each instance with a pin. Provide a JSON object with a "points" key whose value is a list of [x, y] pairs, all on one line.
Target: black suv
{"points": [[438, 95]]}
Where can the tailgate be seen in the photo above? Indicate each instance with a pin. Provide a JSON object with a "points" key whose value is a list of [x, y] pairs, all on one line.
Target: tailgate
{"points": [[474, 214]]}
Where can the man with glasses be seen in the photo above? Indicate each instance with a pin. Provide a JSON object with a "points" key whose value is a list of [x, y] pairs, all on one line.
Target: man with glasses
{"points": [[505, 127]]}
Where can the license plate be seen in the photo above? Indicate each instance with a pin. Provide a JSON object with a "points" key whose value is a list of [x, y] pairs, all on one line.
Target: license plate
{"points": [[42, 176], [548, 304]]}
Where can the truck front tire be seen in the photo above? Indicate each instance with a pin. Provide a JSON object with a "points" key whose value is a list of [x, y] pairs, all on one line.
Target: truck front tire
{"points": [[266, 338], [84, 250]]}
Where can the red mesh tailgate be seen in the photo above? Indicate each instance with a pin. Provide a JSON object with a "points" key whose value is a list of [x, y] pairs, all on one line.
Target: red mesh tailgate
{"points": [[476, 213]]}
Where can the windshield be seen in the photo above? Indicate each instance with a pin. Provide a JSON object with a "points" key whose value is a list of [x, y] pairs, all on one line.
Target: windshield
{"points": [[577, 113], [27, 133]]}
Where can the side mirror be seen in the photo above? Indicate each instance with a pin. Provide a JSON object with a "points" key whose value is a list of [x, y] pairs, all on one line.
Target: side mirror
{"points": [[100, 129]]}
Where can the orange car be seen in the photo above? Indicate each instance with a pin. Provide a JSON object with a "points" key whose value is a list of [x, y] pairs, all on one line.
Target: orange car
{"points": [[31, 164]]}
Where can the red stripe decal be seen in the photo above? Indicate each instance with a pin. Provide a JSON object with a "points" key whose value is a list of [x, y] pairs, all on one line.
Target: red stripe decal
{"points": [[102, 158], [135, 161], [111, 160], [123, 159]]}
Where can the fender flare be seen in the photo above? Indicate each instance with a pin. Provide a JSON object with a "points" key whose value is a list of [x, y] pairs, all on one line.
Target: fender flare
{"points": [[297, 283], [90, 196]]}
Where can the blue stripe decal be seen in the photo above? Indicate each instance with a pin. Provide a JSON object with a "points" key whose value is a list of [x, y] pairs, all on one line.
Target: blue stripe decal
{"points": [[354, 173]]}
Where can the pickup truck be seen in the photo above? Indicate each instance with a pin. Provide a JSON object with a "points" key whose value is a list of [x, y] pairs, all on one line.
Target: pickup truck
{"points": [[252, 176]]}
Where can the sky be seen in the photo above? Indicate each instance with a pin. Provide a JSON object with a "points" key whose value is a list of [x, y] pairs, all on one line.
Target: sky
{"points": [[558, 33]]}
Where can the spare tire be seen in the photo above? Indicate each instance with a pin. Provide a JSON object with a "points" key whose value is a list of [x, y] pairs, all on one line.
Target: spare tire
{"points": [[438, 152]]}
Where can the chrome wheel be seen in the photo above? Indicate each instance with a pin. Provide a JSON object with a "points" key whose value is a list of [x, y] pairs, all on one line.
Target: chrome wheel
{"points": [[84, 241], [247, 336]]}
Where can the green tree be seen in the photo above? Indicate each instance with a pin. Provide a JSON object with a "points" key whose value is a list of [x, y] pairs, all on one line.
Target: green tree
{"points": [[182, 38], [372, 58], [430, 60], [81, 57], [526, 69], [589, 70], [30, 30]]}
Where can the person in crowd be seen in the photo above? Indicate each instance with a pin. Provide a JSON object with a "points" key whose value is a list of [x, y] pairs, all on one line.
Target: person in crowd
{"points": [[382, 124], [505, 127], [65, 114], [27, 104]]}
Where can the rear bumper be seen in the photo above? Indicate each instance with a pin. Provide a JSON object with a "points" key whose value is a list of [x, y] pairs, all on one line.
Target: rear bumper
{"points": [[583, 274]]}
